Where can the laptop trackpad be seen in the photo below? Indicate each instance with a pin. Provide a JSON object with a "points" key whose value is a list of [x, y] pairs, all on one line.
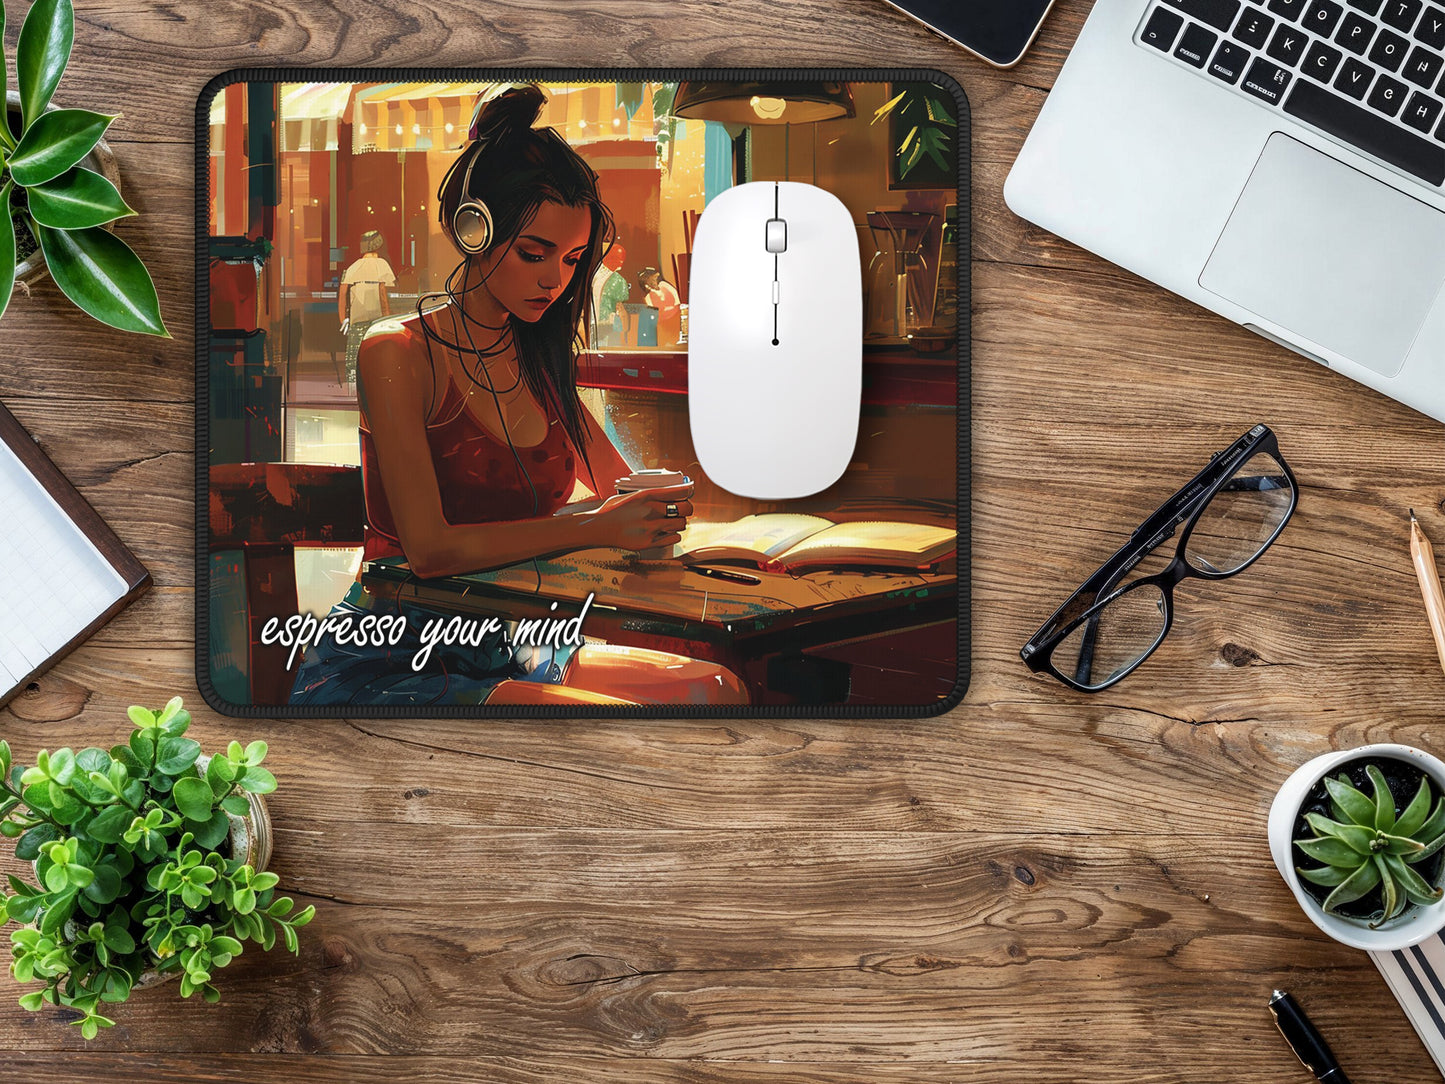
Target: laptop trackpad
{"points": [[1331, 254]]}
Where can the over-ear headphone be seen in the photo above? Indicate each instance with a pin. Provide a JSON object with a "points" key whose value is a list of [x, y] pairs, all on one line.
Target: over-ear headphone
{"points": [[472, 220]]}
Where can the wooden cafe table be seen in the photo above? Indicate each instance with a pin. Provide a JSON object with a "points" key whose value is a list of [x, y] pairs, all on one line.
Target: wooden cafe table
{"points": [[1040, 886]]}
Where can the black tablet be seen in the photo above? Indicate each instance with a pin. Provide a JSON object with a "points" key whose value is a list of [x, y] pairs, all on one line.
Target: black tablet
{"points": [[999, 31]]}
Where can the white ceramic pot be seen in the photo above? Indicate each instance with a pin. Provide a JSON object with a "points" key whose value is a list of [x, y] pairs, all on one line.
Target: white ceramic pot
{"points": [[1410, 928]]}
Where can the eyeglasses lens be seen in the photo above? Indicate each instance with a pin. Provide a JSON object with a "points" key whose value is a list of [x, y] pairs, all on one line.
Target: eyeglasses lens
{"points": [[1114, 639], [1242, 518]]}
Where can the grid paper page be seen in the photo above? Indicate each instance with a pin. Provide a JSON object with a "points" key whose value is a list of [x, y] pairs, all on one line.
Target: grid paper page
{"points": [[53, 581], [1415, 977]]}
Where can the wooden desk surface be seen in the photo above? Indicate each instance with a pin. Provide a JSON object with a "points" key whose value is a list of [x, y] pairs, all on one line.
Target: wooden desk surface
{"points": [[1041, 886]]}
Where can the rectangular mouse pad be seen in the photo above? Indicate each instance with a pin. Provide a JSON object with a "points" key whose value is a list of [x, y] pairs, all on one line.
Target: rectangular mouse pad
{"points": [[444, 464]]}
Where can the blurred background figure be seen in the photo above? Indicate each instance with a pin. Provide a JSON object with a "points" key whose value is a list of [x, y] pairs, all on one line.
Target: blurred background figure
{"points": [[609, 294], [659, 294], [362, 300]]}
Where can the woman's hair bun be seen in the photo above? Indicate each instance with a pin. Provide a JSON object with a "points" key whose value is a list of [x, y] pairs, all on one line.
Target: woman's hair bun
{"points": [[508, 114]]}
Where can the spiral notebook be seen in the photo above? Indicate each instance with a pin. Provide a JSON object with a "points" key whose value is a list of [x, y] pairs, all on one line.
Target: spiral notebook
{"points": [[66, 572]]}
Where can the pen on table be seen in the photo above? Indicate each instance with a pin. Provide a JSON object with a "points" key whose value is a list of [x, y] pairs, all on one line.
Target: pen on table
{"points": [[1423, 556], [730, 577], [1307, 1043]]}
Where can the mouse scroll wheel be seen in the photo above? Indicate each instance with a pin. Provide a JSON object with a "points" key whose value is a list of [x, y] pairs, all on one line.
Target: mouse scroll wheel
{"points": [[777, 235]]}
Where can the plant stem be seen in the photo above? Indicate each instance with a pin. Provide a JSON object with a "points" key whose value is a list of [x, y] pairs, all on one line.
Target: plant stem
{"points": [[30, 810]]}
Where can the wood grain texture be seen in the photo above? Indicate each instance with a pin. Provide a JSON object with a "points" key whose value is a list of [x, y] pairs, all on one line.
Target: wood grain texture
{"points": [[1040, 887]]}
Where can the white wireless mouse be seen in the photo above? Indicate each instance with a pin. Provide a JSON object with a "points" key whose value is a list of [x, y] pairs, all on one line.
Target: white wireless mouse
{"points": [[775, 340]]}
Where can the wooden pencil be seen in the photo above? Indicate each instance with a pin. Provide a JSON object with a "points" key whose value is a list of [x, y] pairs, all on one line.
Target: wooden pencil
{"points": [[1423, 556]]}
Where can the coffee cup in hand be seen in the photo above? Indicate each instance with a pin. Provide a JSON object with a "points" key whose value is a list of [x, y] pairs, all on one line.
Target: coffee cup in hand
{"points": [[640, 480]]}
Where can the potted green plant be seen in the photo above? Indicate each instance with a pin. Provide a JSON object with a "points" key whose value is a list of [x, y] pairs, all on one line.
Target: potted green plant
{"points": [[149, 863], [53, 205], [1359, 837]]}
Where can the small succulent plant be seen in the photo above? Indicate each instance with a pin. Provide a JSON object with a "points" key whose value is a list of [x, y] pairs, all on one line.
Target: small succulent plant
{"points": [[1369, 845]]}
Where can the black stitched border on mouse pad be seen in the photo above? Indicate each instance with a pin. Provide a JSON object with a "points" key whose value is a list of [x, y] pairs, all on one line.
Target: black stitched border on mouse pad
{"points": [[851, 641]]}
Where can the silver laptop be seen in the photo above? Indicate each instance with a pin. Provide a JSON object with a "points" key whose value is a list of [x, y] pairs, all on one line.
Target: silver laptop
{"points": [[1280, 162]]}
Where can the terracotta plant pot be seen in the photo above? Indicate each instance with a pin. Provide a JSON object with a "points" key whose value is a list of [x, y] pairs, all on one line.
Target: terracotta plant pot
{"points": [[101, 159], [1415, 923]]}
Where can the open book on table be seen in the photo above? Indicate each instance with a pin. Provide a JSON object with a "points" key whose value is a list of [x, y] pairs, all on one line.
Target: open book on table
{"points": [[796, 543]]}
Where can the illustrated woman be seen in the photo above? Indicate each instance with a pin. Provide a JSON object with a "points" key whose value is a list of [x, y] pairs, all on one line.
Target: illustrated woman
{"points": [[473, 435]]}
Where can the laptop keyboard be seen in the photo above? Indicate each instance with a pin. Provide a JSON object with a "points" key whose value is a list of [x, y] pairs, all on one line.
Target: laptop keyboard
{"points": [[1370, 73]]}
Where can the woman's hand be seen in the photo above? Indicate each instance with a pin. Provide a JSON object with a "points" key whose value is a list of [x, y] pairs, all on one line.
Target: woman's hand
{"points": [[639, 521]]}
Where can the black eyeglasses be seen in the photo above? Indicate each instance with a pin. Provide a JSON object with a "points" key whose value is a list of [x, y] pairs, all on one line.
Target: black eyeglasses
{"points": [[1231, 511]]}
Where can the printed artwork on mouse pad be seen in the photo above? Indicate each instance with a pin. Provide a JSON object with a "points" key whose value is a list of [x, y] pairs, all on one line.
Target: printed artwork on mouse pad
{"points": [[445, 452]]}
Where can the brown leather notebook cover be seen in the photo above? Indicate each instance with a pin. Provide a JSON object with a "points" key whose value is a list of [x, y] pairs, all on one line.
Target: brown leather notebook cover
{"points": [[24, 586]]}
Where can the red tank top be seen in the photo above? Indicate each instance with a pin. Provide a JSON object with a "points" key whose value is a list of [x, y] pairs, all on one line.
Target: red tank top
{"points": [[476, 473]]}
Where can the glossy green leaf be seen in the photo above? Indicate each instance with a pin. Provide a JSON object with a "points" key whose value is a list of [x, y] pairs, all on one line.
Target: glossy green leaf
{"points": [[1353, 887], [1384, 800], [78, 198], [1400, 844], [7, 287], [1415, 813], [1328, 876], [1434, 826], [99, 272], [42, 53], [211, 833], [219, 773], [167, 713], [1357, 838], [1332, 852], [32, 1002], [27, 848], [141, 717], [1394, 900], [56, 879], [19, 887], [62, 766], [1430, 849], [55, 143], [258, 781], [176, 755], [109, 824], [23, 909], [1353, 805], [1414, 886], [236, 805], [117, 986], [194, 799], [106, 885]]}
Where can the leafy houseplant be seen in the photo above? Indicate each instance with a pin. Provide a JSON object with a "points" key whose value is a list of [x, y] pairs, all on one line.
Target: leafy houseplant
{"points": [[1371, 847], [922, 121], [47, 198], [134, 853]]}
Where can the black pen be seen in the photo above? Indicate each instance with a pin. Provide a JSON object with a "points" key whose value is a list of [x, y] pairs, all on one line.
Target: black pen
{"points": [[1307, 1043], [730, 577]]}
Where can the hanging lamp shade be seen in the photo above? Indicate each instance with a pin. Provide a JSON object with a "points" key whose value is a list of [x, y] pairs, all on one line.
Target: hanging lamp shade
{"points": [[764, 102]]}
